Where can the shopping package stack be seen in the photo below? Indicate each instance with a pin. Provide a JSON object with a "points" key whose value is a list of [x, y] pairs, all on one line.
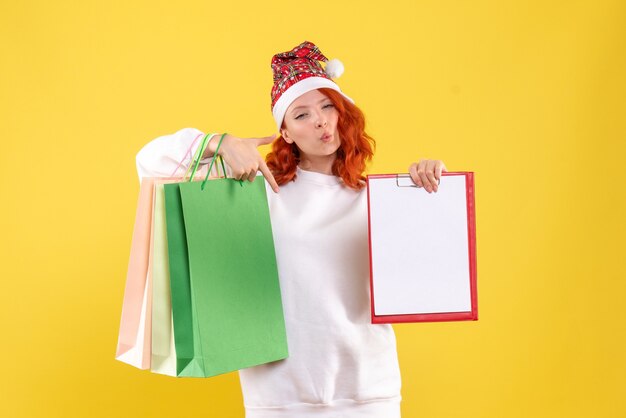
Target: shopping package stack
{"points": [[202, 294]]}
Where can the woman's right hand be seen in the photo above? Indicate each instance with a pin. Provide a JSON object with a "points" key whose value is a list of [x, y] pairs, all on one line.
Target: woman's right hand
{"points": [[243, 157]]}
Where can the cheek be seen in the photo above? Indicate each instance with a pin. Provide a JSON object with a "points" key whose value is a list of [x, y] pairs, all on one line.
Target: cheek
{"points": [[335, 118], [302, 132], [293, 133]]}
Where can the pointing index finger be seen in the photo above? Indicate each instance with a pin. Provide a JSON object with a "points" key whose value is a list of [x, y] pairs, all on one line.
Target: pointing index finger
{"points": [[268, 176], [265, 140]]}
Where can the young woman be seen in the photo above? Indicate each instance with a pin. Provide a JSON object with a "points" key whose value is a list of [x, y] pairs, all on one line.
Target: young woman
{"points": [[339, 364]]}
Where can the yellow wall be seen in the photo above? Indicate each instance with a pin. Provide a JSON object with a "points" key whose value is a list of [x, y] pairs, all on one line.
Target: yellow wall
{"points": [[528, 94]]}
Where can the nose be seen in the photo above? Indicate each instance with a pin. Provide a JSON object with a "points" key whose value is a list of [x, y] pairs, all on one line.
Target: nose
{"points": [[321, 121]]}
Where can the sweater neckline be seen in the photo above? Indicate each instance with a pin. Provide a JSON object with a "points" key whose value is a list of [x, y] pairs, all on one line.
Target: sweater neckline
{"points": [[319, 178]]}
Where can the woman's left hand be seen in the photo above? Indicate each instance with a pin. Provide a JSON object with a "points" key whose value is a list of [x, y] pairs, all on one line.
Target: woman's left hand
{"points": [[427, 173]]}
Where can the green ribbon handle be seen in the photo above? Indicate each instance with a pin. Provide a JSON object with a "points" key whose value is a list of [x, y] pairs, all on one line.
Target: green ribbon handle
{"points": [[222, 163], [205, 141], [201, 149], [213, 161]]}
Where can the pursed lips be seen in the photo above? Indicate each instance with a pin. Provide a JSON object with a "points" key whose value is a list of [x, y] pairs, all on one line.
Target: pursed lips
{"points": [[326, 137]]}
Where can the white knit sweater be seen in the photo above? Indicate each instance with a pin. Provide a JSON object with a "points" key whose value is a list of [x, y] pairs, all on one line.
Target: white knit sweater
{"points": [[339, 365]]}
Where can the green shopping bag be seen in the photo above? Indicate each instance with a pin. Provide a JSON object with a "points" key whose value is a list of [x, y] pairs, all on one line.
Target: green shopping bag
{"points": [[180, 288], [235, 293], [226, 302]]}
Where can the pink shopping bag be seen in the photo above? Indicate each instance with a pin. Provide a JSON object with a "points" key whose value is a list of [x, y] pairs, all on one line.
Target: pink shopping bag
{"points": [[134, 340]]}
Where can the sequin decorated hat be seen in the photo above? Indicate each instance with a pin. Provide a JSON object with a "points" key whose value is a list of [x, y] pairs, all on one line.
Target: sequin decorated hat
{"points": [[299, 71]]}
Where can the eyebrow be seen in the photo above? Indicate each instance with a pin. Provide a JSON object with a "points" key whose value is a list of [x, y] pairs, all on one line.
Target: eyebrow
{"points": [[304, 107]]}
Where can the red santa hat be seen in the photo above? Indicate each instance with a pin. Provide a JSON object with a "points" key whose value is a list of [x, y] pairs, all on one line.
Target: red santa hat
{"points": [[299, 71]]}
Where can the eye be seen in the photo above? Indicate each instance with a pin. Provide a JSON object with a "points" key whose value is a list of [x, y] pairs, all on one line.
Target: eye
{"points": [[329, 105], [300, 116]]}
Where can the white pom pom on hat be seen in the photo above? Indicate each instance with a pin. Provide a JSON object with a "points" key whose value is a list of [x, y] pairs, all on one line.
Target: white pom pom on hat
{"points": [[334, 68]]}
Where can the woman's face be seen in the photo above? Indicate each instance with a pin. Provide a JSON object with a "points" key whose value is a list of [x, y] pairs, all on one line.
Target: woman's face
{"points": [[311, 123]]}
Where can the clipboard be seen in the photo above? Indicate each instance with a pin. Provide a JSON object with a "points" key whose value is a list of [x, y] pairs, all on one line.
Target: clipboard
{"points": [[422, 249]]}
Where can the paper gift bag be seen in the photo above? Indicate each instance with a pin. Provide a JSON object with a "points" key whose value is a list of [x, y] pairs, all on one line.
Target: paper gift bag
{"points": [[135, 338], [178, 262], [133, 345], [236, 308], [163, 359]]}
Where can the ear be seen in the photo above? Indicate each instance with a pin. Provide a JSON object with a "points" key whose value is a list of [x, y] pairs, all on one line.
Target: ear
{"points": [[286, 136]]}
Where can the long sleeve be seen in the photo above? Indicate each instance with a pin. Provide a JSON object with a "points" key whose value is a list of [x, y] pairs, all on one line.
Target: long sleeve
{"points": [[161, 156]]}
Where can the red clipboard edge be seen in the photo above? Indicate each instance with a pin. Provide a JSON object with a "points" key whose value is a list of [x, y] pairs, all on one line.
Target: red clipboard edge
{"points": [[471, 231]]}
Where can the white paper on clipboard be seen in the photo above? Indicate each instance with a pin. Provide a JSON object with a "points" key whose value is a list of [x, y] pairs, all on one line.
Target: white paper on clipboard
{"points": [[420, 246]]}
